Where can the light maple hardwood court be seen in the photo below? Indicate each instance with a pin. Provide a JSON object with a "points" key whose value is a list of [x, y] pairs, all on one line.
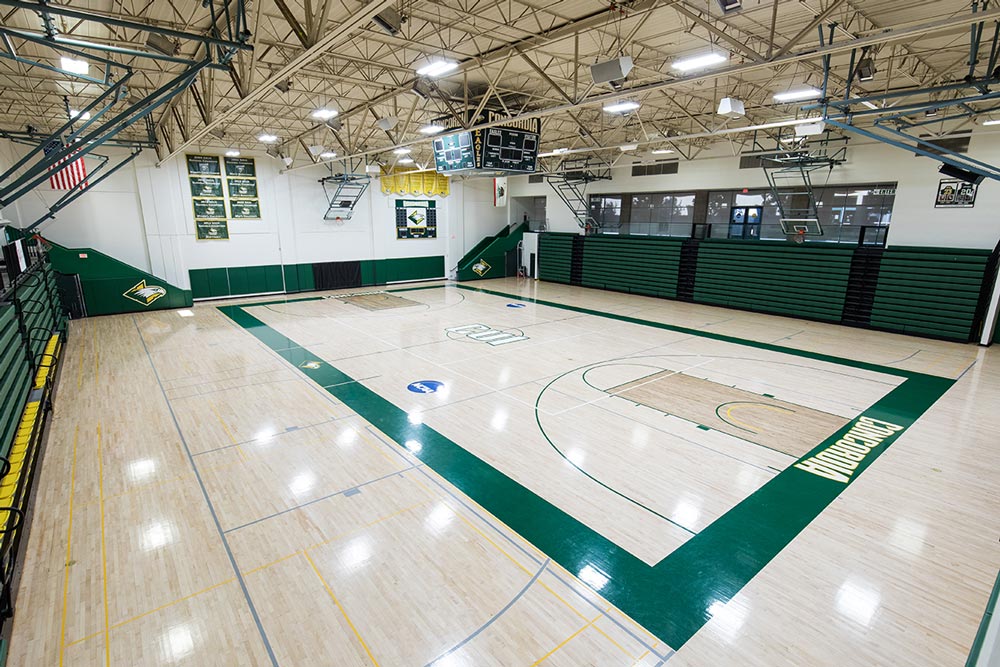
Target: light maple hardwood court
{"points": [[530, 475]]}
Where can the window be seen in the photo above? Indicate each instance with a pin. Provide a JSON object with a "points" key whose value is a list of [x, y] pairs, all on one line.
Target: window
{"points": [[661, 214], [607, 211]]}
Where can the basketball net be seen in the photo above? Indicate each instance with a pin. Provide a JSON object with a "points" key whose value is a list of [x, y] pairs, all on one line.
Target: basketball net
{"points": [[800, 236]]}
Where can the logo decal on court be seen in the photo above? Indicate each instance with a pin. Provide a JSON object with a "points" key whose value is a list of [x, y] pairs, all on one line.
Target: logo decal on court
{"points": [[311, 365], [140, 293], [486, 334], [425, 386], [481, 267]]}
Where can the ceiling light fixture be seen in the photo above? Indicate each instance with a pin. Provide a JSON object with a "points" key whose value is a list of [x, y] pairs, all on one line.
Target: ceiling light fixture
{"points": [[700, 61], [74, 114], [437, 67], [324, 114], [622, 106], [327, 155], [431, 128], [662, 151], [991, 122], [74, 66], [266, 138], [233, 153], [628, 147], [866, 69], [402, 151], [405, 160], [798, 95]]}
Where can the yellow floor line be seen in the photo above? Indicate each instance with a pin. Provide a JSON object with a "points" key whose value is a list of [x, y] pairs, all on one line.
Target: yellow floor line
{"points": [[341, 608], [69, 538], [104, 552], [83, 639], [565, 641], [614, 643], [170, 604], [225, 428]]}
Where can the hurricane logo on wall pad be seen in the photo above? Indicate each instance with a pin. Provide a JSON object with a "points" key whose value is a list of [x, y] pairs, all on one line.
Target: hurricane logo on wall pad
{"points": [[141, 293]]}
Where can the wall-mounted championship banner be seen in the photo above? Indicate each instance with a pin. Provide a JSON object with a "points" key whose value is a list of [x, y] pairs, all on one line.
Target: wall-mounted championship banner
{"points": [[209, 209], [204, 164], [416, 219], [240, 166], [211, 230], [241, 188], [205, 186], [244, 209], [955, 194]]}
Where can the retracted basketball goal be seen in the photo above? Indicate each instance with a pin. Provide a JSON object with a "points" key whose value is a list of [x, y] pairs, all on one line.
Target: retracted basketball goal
{"points": [[343, 191]]}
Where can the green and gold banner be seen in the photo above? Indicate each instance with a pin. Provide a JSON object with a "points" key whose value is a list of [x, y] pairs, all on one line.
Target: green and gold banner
{"points": [[244, 209], [211, 230], [209, 209], [241, 188], [205, 186], [240, 166], [204, 164]]}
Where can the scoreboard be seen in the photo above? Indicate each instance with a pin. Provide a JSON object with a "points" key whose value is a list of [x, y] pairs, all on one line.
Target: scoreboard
{"points": [[492, 149], [454, 152], [509, 150]]}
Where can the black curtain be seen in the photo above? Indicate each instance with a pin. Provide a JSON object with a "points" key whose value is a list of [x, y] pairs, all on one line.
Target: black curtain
{"points": [[337, 275]]}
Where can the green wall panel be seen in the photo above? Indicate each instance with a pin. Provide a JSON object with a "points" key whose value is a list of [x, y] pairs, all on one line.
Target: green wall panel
{"points": [[244, 280]]}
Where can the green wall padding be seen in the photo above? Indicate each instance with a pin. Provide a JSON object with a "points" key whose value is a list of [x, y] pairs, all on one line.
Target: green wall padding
{"points": [[636, 264], [781, 278], [555, 256], [105, 281], [930, 291], [290, 278]]}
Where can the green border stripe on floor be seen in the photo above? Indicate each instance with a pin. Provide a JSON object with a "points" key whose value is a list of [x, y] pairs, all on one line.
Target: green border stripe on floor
{"points": [[676, 597]]}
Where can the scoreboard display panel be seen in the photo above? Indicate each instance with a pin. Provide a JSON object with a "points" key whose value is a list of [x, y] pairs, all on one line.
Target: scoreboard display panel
{"points": [[506, 149], [454, 152]]}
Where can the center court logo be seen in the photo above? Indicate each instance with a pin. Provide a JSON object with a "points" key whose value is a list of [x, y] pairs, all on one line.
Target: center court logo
{"points": [[485, 334]]}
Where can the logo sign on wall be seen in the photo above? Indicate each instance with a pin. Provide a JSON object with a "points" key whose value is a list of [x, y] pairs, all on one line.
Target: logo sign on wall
{"points": [[425, 386], [500, 191], [416, 219], [143, 293], [955, 194]]}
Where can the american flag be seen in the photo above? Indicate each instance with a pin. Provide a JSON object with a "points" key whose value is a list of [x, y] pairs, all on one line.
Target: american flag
{"points": [[65, 176]]}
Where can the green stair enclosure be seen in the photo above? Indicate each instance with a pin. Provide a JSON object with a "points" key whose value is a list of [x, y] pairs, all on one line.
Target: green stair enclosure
{"points": [[935, 292], [929, 291], [488, 258], [110, 286]]}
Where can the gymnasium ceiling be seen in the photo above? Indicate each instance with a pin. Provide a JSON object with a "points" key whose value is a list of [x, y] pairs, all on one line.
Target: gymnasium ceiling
{"points": [[515, 57]]}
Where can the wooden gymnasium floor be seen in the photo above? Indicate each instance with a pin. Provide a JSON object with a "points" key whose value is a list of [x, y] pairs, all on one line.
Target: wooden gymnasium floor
{"points": [[599, 479]]}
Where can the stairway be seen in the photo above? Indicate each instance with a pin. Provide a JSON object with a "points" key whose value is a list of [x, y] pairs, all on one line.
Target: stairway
{"points": [[861, 285]]}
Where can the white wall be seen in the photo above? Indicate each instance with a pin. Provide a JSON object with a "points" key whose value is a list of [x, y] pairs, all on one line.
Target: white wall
{"points": [[143, 216], [915, 221]]}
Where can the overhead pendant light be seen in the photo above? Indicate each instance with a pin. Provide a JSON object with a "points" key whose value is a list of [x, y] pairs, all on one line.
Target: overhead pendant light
{"points": [[405, 160], [700, 61], [324, 114], [622, 106], [74, 114], [266, 138], [628, 147], [327, 155], [661, 151], [436, 67], [74, 65], [402, 151], [232, 153], [991, 122], [798, 95], [431, 128]]}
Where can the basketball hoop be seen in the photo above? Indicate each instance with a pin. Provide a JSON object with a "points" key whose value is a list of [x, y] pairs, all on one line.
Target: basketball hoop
{"points": [[800, 235]]}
